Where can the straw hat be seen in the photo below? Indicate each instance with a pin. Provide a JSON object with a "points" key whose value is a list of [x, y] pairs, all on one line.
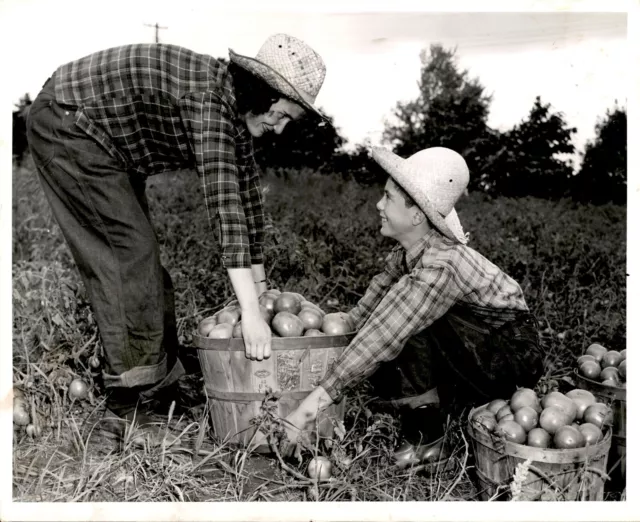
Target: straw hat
{"points": [[288, 65], [435, 178]]}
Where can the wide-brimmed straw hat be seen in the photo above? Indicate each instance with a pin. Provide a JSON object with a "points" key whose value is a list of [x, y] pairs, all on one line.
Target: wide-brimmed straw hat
{"points": [[288, 65], [435, 178]]}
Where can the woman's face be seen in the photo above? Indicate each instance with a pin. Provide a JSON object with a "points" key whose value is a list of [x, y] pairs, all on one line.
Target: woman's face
{"points": [[275, 119]]}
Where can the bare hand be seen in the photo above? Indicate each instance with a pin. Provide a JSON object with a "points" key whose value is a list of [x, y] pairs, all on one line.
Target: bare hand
{"points": [[256, 334]]}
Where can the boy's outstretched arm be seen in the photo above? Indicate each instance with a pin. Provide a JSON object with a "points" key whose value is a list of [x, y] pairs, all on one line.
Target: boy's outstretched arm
{"points": [[307, 412]]}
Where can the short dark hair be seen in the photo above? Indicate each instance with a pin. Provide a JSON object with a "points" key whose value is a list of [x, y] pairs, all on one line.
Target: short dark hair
{"points": [[253, 94], [408, 200]]}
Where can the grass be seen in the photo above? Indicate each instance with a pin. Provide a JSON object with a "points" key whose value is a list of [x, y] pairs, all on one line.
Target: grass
{"points": [[322, 242]]}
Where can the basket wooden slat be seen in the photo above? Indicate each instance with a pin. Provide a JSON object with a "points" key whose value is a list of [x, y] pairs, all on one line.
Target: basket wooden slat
{"points": [[617, 398], [236, 386], [571, 474]]}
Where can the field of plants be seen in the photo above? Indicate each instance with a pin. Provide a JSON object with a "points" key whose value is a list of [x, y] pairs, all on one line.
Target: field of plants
{"points": [[323, 242]]}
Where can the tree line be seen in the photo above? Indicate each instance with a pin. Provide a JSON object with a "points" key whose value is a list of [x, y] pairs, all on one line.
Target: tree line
{"points": [[451, 110]]}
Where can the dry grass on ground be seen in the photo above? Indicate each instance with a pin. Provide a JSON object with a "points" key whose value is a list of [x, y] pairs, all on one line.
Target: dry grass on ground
{"points": [[323, 243]]}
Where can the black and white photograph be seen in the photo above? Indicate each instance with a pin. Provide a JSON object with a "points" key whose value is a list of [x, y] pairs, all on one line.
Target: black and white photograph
{"points": [[317, 262]]}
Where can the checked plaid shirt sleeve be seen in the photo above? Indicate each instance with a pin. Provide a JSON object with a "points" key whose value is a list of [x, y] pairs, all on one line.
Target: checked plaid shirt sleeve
{"points": [[379, 286], [414, 302], [251, 196], [233, 201]]}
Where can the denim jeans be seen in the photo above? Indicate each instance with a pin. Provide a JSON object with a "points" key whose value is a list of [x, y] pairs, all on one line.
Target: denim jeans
{"points": [[469, 362], [104, 216]]}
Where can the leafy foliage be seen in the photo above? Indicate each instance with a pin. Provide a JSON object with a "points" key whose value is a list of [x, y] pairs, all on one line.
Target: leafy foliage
{"points": [[450, 111], [302, 144], [530, 161], [603, 175], [323, 242]]}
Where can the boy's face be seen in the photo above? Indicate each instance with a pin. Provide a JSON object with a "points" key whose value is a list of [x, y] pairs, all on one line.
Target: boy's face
{"points": [[397, 219], [275, 120]]}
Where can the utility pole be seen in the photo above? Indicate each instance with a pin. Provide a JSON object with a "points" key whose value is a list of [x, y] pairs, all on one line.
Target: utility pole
{"points": [[157, 27]]}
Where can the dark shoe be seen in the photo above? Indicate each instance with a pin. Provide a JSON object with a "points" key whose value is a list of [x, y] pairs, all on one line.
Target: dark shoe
{"points": [[138, 427], [160, 401], [409, 454]]}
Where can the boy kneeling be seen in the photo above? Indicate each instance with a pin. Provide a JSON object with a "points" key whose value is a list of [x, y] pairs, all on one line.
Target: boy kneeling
{"points": [[441, 326]]}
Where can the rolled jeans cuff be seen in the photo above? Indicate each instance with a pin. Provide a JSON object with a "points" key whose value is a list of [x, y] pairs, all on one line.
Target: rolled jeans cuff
{"points": [[145, 376], [176, 372]]}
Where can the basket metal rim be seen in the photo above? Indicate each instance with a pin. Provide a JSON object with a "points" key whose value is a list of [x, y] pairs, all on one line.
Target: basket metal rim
{"points": [[236, 344]]}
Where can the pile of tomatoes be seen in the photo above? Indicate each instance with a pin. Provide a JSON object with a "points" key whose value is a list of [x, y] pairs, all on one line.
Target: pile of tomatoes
{"points": [[288, 314], [609, 367], [556, 420]]}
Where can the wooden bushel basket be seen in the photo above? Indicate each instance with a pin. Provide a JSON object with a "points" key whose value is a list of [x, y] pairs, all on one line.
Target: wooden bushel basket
{"points": [[236, 386], [553, 474], [617, 398]]}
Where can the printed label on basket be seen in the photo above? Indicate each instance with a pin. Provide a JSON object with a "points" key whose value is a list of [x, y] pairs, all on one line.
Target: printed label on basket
{"points": [[331, 360], [261, 384], [315, 368], [288, 371]]}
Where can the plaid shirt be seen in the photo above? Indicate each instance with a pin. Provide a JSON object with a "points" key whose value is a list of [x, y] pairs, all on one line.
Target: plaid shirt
{"points": [[415, 289], [158, 108]]}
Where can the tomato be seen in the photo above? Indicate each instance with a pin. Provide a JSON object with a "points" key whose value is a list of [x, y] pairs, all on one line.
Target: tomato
{"points": [[287, 324], [599, 414], [568, 437], [610, 373], [553, 418], [335, 324], [512, 431], [611, 359], [319, 468], [597, 351], [485, 419], [495, 405], [266, 314], [562, 402], [311, 319], [526, 417], [622, 369], [94, 362], [267, 300], [503, 412], [313, 333], [582, 399], [33, 431], [521, 398], [21, 416], [78, 389], [300, 297], [229, 316], [590, 370], [538, 438], [221, 331], [592, 434], [206, 325], [287, 302], [584, 358], [237, 330], [309, 305]]}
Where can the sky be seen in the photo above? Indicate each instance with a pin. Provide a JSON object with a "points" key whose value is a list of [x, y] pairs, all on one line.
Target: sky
{"points": [[576, 61]]}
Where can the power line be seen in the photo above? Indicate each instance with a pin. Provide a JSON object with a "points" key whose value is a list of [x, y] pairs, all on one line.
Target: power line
{"points": [[157, 27]]}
